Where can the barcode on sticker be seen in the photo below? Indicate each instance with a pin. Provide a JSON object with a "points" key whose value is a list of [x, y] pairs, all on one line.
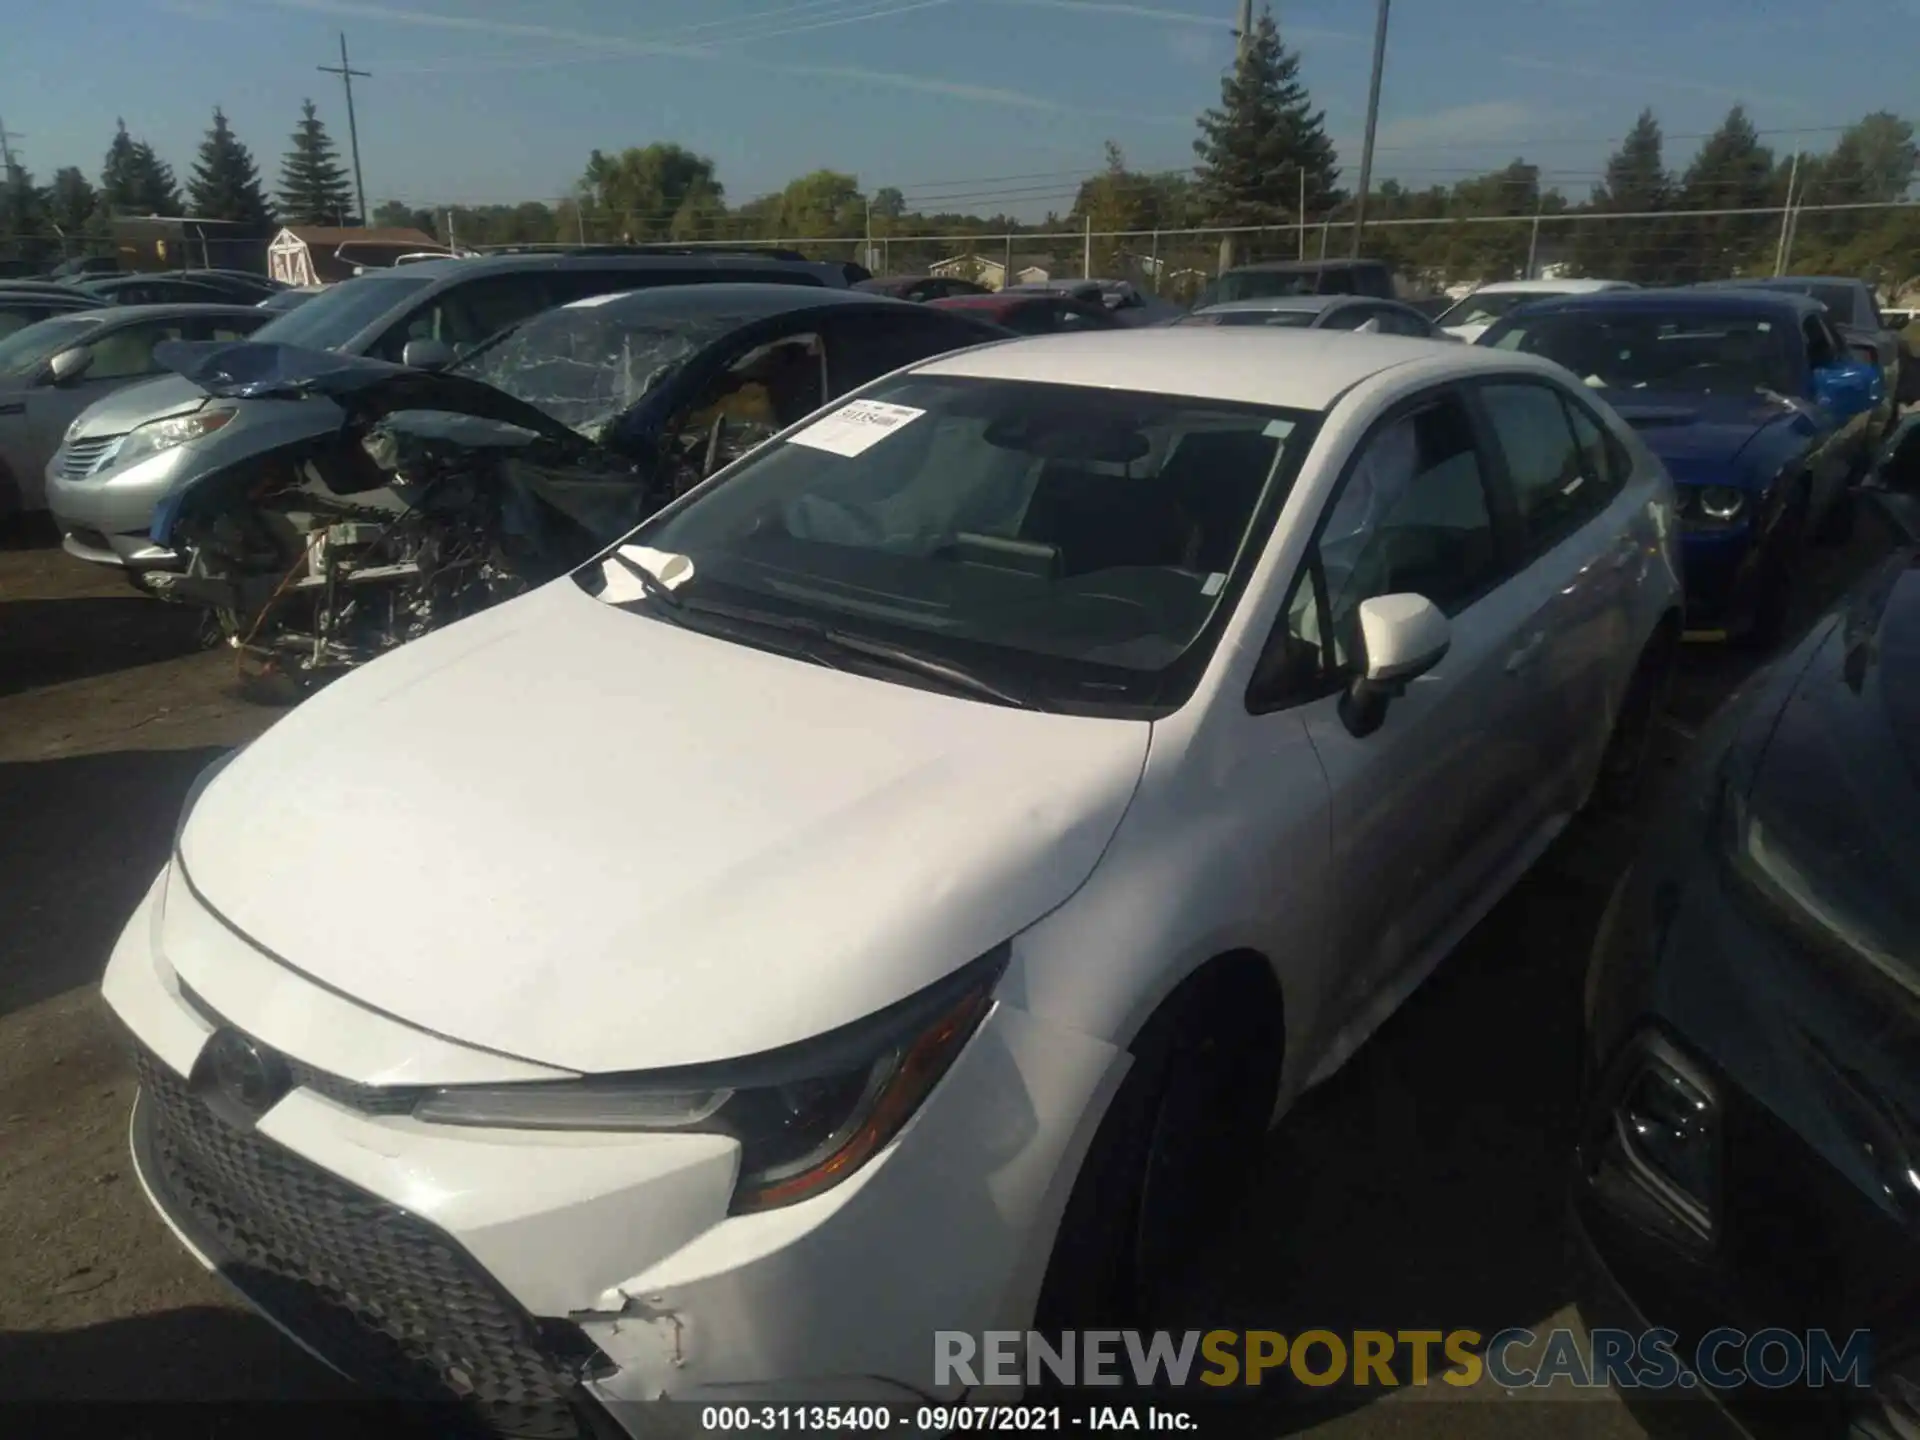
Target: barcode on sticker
{"points": [[855, 427]]}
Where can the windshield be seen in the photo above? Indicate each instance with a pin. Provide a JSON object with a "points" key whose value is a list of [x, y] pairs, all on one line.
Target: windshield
{"points": [[1079, 547], [1838, 299], [1484, 309], [1696, 354], [1294, 319], [585, 366], [340, 312], [35, 344]]}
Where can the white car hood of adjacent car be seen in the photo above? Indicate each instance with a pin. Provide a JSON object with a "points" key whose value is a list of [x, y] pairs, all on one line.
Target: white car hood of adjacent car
{"points": [[593, 840]]}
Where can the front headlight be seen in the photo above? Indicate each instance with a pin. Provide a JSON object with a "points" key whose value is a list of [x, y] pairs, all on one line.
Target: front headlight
{"points": [[806, 1116], [1722, 503], [158, 436]]}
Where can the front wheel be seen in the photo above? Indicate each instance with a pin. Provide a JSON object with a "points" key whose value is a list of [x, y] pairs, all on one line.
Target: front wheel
{"points": [[1181, 1135]]}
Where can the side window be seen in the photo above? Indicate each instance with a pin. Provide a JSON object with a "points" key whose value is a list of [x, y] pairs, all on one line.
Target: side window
{"points": [[1554, 491], [1411, 515], [1821, 349], [1607, 464], [1349, 317], [863, 348], [128, 352], [1073, 315], [1401, 322], [464, 315], [218, 329]]}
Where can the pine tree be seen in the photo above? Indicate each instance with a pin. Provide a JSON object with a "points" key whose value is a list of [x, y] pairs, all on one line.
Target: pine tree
{"points": [[23, 227], [72, 203], [135, 180], [1637, 183], [313, 184], [225, 184], [1265, 133], [1733, 171]]}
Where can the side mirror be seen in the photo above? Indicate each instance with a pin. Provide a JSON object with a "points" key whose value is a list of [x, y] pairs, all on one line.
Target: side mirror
{"points": [[427, 355], [68, 366], [1848, 388], [1401, 638]]}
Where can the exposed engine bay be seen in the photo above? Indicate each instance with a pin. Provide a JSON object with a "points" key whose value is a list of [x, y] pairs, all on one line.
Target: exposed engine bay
{"points": [[336, 556]]}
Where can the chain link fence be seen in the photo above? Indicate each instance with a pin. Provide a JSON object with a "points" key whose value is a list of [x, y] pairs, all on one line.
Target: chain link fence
{"points": [[1879, 242]]}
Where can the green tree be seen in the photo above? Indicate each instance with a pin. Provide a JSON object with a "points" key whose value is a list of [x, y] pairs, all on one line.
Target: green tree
{"points": [[1116, 199], [641, 192], [73, 205], [888, 203], [1871, 164], [398, 215], [821, 204], [135, 181], [1636, 184], [23, 216], [313, 184], [1264, 135], [1733, 171], [225, 184]]}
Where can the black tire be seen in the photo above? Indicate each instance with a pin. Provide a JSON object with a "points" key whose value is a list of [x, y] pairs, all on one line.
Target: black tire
{"points": [[1179, 1138], [1629, 754], [1780, 566]]}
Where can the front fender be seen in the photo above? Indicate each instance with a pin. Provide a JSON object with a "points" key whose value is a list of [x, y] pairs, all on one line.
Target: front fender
{"points": [[224, 463]]}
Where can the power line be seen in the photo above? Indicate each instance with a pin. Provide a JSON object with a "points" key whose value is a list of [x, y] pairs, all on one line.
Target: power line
{"points": [[346, 72]]}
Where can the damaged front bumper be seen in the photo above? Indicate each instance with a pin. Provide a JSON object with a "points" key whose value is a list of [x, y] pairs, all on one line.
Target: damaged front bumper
{"points": [[541, 1276]]}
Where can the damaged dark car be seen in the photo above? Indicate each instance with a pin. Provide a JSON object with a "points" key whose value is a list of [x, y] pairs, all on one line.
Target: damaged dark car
{"points": [[443, 492]]}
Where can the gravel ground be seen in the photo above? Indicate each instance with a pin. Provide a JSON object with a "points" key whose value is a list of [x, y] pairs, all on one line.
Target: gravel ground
{"points": [[1420, 1188]]}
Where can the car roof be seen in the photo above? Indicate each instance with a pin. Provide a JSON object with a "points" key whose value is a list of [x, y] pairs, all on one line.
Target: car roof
{"points": [[745, 299], [1696, 300], [1551, 287], [1313, 304], [1242, 364], [1782, 282], [996, 299], [466, 266], [118, 315]]}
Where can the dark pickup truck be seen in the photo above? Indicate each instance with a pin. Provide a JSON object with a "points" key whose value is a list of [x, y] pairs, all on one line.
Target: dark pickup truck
{"points": [[1855, 311]]}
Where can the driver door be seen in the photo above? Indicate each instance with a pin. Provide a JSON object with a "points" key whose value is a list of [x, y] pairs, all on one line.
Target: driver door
{"points": [[1420, 807]]}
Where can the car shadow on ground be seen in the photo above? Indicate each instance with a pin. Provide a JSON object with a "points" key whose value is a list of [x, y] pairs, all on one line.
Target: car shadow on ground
{"points": [[84, 838], [45, 642], [200, 1353]]}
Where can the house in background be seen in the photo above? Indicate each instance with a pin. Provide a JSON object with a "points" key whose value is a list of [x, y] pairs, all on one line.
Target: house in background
{"points": [[320, 255], [992, 273]]}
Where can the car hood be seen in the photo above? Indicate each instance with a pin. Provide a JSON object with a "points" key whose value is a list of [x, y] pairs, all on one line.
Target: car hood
{"points": [[364, 388], [597, 841], [1699, 432], [134, 405]]}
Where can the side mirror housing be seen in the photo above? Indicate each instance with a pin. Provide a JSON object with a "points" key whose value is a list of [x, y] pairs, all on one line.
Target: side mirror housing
{"points": [[68, 366], [427, 355], [1401, 637], [1848, 388]]}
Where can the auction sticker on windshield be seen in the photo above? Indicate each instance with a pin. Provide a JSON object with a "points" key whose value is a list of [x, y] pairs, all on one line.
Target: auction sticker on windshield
{"points": [[856, 426]]}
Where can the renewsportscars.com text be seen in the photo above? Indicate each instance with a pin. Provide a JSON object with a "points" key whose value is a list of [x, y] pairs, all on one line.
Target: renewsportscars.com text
{"points": [[1516, 1359]]}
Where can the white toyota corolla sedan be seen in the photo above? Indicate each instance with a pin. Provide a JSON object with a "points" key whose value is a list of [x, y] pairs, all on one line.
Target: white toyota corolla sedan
{"points": [[894, 890]]}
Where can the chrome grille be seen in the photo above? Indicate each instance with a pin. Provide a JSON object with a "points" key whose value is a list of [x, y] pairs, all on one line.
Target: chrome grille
{"points": [[80, 458], [389, 1299]]}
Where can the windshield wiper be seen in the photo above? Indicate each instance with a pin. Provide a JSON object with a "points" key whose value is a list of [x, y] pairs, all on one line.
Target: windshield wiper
{"points": [[656, 588]]}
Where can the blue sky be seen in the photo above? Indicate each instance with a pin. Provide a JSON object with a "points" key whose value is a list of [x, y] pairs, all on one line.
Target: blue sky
{"points": [[964, 104]]}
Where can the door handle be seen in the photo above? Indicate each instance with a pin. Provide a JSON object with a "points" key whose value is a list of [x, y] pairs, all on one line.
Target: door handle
{"points": [[1527, 653], [17, 407]]}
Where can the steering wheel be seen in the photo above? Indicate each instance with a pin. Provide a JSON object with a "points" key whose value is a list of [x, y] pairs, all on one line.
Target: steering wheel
{"points": [[713, 445]]}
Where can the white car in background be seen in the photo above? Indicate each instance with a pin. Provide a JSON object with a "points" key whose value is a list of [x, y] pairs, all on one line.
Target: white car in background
{"points": [[896, 888], [1470, 318]]}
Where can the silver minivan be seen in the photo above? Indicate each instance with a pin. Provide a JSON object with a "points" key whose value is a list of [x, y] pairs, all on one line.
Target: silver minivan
{"points": [[122, 456]]}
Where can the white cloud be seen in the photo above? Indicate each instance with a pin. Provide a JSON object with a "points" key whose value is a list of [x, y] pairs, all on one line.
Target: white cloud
{"points": [[1491, 122]]}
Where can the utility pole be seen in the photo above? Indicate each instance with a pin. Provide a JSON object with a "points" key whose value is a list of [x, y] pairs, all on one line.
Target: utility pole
{"points": [[1303, 212], [1086, 264], [7, 137], [1244, 44], [346, 72], [1781, 250], [1373, 121]]}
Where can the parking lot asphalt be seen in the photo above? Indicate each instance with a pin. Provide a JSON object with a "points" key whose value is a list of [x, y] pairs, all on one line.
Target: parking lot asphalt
{"points": [[1420, 1188]]}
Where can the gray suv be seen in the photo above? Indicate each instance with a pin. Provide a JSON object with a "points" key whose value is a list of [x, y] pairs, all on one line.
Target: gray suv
{"points": [[123, 455]]}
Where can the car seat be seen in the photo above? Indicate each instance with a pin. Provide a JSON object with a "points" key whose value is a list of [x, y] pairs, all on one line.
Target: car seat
{"points": [[1106, 522]]}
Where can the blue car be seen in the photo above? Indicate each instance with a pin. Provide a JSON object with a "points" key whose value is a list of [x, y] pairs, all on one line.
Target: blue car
{"points": [[1758, 410]]}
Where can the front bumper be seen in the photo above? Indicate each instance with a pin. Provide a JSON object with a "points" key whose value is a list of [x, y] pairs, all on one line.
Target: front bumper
{"points": [[107, 519], [1721, 569], [549, 1280]]}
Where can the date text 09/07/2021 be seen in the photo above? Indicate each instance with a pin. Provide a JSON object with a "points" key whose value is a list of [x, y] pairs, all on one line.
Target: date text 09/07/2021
{"points": [[941, 1419]]}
